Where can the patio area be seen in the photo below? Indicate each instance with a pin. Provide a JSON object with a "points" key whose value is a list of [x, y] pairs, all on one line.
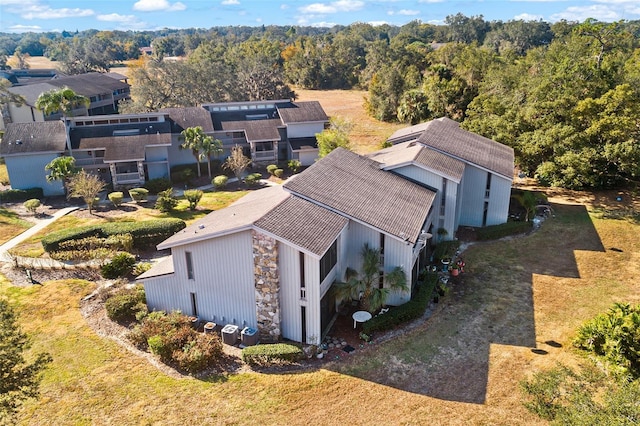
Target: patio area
{"points": [[343, 339]]}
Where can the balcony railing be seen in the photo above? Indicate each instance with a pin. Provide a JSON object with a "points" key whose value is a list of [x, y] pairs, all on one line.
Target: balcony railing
{"points": [[89, 161], [124, 178], [264, 156]]}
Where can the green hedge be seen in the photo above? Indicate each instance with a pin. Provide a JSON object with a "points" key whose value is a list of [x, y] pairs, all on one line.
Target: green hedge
{"points": [[11, 195], [411, 310], [504, 230], [265, 354], [146, 234]]}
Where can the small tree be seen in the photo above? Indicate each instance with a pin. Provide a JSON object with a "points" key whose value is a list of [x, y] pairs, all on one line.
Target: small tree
{"points": [[237, 162], [32, 205], [18, 380], [373, 297], [166, 201], [193, 196], [337, 135], [86, 186], [62, 169], [294, 165]]}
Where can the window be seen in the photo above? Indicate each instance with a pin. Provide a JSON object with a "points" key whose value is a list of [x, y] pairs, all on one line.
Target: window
{"points": [[328, 261], [443, 197], [485, 213], [194, 305], [487, 190], [303, 293], [189, 259]]}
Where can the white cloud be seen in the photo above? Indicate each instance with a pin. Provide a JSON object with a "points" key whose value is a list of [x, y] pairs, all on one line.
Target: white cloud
{"points": [[431, 1], [115, 17], [24, 28], [528, 17], [284, 6], [37, 11], [404, 12], [580, 13], [157, 5], [228, 2], [332, 7], [377, 23]]}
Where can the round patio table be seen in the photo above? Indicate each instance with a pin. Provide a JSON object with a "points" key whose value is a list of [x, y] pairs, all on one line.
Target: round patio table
{"points": [[360, 316]]}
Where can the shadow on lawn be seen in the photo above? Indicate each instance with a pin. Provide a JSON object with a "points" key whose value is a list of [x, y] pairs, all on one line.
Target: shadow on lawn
{"points": [[448, 356]]}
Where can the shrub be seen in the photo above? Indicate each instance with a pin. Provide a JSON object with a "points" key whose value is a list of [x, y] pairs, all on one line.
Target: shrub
{"points": [[193, 196], [139, 194], [200, 353], [446, 249], [120, 266], [11, 195], [116, 198], [113, 242], [411, 310], [141, 267], [266, 354], [146, 234], [183, 176], [220, 182], [125, 305], [271, 168], [166, 201], [252, 179], [72, 255], [294, 165], [278, 173], [504, 230], [32, 205], [157, 185]]}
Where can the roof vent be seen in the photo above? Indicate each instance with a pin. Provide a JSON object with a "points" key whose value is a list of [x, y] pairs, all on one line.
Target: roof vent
{"points": [[18, 142], [200, 226]]}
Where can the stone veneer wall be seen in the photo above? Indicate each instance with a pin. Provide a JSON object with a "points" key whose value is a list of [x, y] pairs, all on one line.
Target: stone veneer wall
{"points": [[267, 284]]}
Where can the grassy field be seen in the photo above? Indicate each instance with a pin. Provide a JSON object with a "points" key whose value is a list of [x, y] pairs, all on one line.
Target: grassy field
{"points": [[513, 312]]}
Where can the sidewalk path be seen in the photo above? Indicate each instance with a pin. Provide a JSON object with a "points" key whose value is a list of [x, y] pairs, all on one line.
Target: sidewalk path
{"points": [[37, 263]]}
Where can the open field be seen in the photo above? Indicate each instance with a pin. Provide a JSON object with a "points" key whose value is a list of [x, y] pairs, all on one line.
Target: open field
{"points": [[462, 366]]}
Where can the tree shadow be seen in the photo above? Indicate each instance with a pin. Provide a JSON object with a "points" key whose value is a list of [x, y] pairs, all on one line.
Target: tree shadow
{"points": [[448, 356]]}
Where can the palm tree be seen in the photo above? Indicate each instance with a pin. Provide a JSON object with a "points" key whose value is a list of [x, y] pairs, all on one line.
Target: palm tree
{"points": [[62, 169], [372, 297], [63, 100], [211, 146], [197, 141]]}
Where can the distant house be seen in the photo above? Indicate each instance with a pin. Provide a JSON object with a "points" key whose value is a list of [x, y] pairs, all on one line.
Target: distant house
{"points": [[129, 149], [103, 90], [269, 261]]}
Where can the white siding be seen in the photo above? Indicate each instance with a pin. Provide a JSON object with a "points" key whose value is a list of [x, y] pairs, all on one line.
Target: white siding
{"points": [[307, 157], [177, 155], [474, 196], [24, 114], [28, 172], [224, 281], [357, 236], [304, 130], [397, 253], [499, 198], [290, 299]]}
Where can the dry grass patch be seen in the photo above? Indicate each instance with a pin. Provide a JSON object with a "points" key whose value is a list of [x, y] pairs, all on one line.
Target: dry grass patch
{"points": [[11, 225], [367, 133]]}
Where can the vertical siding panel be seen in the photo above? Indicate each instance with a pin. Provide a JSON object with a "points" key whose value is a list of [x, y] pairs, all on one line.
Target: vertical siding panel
{"points": [[499, 198], [397, 253], [472, 205], [28, 172], [290, 292], [312, 280]]}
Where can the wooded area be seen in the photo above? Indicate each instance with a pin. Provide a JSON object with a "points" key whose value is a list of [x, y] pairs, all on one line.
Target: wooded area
{"points": [[563, 95]]}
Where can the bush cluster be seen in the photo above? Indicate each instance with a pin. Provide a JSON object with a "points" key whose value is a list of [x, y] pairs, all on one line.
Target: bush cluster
{"points": [[155, 186], [411, 310], [252, 179], [271, 168], [446, 249], [504, 230], [126, 305], [111, 242], [146, 234], [116, 198], [267, 354], [220, 182], [32, 205], [193, 196], [11, 195], [172, 338], [139, 194], [166, 201], [278, 173], [294, 165], [120, 266], [75, 255]]}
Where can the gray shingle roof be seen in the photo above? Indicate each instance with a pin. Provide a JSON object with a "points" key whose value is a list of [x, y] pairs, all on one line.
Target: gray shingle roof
{"points": [[413, 153], [357, 187], [446, 136], [48, 136], [408, 133], [163, 267], [239, 215], [184, 118], [298, 112], [306, 225], [125, 148], [255, 130]]}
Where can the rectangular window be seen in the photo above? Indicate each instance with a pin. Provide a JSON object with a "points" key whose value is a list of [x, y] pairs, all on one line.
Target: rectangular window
{"points": [[328, 261], [485, 213], [443, 197], [303, 323], [189, 259], [194, 305], [303, 290], [488, 189]]}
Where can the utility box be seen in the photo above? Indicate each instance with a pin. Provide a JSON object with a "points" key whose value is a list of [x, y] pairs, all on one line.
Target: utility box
{"points": [[249, 336], [230, 334], [210, 327]]}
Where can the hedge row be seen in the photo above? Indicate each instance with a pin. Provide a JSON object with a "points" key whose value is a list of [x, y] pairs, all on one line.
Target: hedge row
{"points": [[265, 354], [11, 195], [146, 234], [411, 310], [504, 230]]}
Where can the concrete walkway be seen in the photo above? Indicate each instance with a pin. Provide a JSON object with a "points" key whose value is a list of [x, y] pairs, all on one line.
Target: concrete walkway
{"points": [[36, 263]]}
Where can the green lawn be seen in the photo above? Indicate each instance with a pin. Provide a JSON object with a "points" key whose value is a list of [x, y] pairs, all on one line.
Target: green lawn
{"points": [[11, 225], [461, 366]]}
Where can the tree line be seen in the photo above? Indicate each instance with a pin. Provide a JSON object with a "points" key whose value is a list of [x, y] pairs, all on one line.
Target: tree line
{"points": [[563, 95]]}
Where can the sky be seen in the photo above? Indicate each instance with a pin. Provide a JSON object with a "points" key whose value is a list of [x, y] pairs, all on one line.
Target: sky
{"points": [[71, 15]]}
